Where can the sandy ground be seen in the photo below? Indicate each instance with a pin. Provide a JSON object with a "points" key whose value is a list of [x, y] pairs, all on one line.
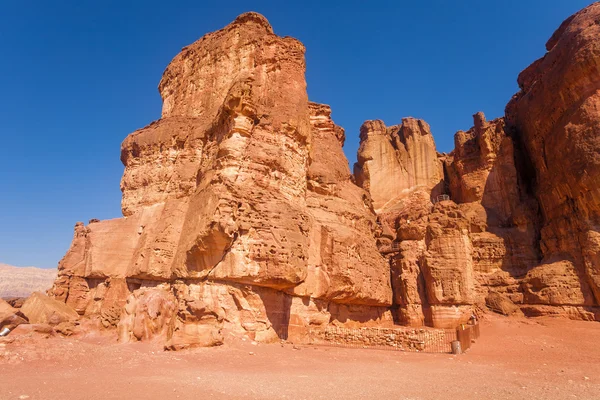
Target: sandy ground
{"points": [[514, 359]]}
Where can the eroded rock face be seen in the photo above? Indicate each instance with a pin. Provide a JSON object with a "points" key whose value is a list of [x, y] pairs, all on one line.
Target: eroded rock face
{"points": [[41, 309], [484, 179], [148, 313], [501, 304], [241, 214], [555, 116], [344, 263], [482, 169], [520, 221], [432, 270], [394, 161], [10, 317], [240, 211]]}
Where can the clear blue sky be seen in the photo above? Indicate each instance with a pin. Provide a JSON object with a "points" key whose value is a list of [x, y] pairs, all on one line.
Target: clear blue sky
{"points": [[78, 76]]}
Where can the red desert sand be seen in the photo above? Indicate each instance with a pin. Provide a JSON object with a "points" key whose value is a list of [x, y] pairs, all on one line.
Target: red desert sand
{"points": [[515, 358]]}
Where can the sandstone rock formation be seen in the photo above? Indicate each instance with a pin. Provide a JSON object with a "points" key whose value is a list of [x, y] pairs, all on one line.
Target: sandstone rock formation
{"points": [[444, 242], [22, 281], [483, 178], [395, 161], [555, 118], [241, 213], [41, 309], [239, 207], [520, 211], [433, 268], [10, 317], [501, 304]]}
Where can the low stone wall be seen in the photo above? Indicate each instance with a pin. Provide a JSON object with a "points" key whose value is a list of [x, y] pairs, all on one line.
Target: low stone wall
{"points": [[404, 339]]}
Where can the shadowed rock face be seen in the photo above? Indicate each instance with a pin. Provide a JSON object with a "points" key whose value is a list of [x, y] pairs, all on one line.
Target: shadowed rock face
{"points": [[557, 119], [521, 220], [239, 207], [482, 168], [240, 211]]}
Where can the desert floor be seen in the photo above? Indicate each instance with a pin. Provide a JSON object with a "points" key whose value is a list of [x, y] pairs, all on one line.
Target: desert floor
{"points": [[514, 359]]}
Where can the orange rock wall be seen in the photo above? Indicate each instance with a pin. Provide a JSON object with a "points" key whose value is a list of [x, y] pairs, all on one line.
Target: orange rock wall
{"points": [[394, 161], [241, 213], [523, 195], [239, 209], [555, 116]]}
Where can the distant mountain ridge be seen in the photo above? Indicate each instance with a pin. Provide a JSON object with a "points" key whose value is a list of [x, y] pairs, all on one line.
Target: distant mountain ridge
{"points": [[22, 281]]}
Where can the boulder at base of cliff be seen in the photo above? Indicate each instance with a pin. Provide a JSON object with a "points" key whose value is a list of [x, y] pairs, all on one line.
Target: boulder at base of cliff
{"points": [[15, 302], [501, 304], [149, 313], [32, 330], [194, 335], [41, 309], [10, 317]]}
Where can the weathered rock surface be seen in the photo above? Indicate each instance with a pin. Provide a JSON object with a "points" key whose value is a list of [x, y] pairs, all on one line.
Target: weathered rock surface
{"points": [[519, 223], [483, 169], [241, 214], [394, 161], [484, 179], [237, 202], [22, 281], [148, 313], [555, 117], [41, 331], [501, 304], [41, 309], [10, 317], [432, 270]]}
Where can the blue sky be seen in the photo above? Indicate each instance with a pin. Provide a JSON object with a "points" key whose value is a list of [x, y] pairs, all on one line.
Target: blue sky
{"points": [[78, 76]]}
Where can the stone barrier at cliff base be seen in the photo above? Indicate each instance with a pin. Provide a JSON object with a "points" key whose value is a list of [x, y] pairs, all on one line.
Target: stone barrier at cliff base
{"points": [[420, 339]]}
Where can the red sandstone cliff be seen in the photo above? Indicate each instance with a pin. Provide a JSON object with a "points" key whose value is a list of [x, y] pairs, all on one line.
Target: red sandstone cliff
{"points": [[239, 207], [240, 211], [522, 194], [556, 118], [395, 161]]}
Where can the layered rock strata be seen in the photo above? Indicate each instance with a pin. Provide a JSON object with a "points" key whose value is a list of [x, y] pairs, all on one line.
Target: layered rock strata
{"points": [[239, 209], [555, 118], [397, 160], [241, 213], [23, 281], [521, 192]]}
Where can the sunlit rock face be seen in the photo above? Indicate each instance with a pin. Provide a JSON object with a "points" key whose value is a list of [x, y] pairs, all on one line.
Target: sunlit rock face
{"points": [[241, 214], [556, 118], [484, 179], [395, 161], [468, 230], [519, 219], [239, 207]]}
